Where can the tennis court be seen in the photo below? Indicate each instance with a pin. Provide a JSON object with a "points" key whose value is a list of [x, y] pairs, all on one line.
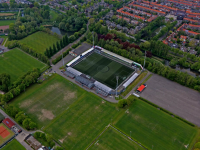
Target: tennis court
{"points": [[104, 69], [5, 134]]}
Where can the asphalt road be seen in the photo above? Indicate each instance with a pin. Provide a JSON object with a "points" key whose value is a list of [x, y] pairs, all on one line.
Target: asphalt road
{"points": [[174, 97]]}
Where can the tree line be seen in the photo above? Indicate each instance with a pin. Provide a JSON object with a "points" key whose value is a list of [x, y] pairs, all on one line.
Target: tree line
{"points": [[15, 89]]}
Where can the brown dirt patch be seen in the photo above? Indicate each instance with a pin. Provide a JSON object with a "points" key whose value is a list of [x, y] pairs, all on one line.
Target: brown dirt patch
{"points": [[26, 103], [7, 14], [69, 95], [34, 108], [69, 133], [102, 102], [62, 140], [4, 27], [52, 87], [46, 114]]}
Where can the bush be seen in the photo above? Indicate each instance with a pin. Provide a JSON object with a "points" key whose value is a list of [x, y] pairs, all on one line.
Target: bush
{"points": [[197, 145]]}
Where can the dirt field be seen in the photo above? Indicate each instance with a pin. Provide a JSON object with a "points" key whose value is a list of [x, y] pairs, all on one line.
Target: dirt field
{"points": [[174, 97]]}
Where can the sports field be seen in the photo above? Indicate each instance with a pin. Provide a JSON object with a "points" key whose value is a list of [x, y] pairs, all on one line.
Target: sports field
{"points": [[16, 63], [13, 145], [79, 125], [104, 70], [44, 102], [113, 140], [39, 41], [6, 22], [5, 133], [156, 129]]}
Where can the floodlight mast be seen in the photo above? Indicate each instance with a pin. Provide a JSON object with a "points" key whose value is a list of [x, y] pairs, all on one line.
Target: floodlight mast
{"points": [[117, 78], [93, 38]]}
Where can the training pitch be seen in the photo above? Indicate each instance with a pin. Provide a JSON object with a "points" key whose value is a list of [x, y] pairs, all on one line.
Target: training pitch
{"points": [[156, 129], [16, 63], [113, 140], [104, 69], [40, 41], [14, 144], [5, 134], [44, 102]]}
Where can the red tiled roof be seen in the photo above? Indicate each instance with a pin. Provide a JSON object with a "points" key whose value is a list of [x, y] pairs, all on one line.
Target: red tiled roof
{"points": [[183, 37], [163, 6], [188, 19], [193, 25], [152, 18], [192, 32], [165, 42], [180, 27], [148, 8]]}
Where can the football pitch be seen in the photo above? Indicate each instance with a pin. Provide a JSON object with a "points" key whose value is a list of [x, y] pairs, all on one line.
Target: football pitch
{"points": [[40, 41], [104, 70], [113, 140], [13, 144], [156, 129], [16, 63]]}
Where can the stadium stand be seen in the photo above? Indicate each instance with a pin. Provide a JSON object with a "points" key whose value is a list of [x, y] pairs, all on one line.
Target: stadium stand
{"points": [[130, 80], [85, 82], [102, 87], [69, 74], [73, 71]]}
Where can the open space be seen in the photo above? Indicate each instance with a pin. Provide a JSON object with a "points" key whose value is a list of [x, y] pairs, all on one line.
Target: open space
{"points": [[156, 129], [44, 102], [5, 133], [6, 22], [113, 140], [14, 144], [79, 125], [16, 63], [174, 97], [103, 69], [40, 41]]}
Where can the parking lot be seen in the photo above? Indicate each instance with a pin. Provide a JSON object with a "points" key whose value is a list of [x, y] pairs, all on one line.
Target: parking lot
{"points": [[174, 97]]}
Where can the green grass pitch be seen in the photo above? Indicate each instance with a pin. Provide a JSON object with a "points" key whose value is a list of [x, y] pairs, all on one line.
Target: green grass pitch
{"points": [[103, 69], [44, 102], [78, 126], [154, 128], [6, 22], [113, 140], [16, 63], [40, 41], [14, 144]]}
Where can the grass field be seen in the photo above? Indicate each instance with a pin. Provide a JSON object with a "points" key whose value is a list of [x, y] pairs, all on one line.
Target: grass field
{"points": [[3, 140], [4, 37], [16, 63], [14, 144], [6, 22], [154, 128], [44, 102], [39, 41], [104, 70], [79, 125], [53, 15], [113, 140]]}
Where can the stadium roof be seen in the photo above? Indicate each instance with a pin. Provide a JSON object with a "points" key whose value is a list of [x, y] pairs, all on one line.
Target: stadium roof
{"points": [[69, 74], [8, 122], [115, 55], [102, 87], [73, 71], [84, 81], [129, 81]]}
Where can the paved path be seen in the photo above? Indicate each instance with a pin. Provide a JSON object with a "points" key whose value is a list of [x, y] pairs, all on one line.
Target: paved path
{"points": [[133, 90], [68, 46]]}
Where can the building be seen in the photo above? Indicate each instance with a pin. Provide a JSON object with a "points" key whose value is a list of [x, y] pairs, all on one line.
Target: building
{"points": [[8, 123]]}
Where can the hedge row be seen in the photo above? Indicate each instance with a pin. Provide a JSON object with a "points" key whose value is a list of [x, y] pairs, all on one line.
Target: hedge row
{"points": [[57, 59], [166, 111]]}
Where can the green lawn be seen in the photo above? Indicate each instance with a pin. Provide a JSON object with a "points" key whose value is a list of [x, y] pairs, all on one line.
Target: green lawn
{"points": [[104, 70], [113, 140], [6, 22], [4, 37], [39, 41], [44, 102], [16, 63], [154, 128], [79, 125], [53, 15], [13, 145]]}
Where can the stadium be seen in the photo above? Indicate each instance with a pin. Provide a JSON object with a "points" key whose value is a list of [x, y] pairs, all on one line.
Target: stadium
{"points": [[103, 71]]}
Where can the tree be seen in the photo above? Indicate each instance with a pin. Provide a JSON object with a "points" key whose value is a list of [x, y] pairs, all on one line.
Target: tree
{"points": [[11, 26], [54, 49], [32, 125], [62, 44], [25, 123], [36, 4], [58, 46], [146, 45]]}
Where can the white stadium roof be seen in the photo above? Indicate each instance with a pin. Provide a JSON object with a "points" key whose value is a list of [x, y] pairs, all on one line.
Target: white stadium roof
{"points": [[129, 81]]}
